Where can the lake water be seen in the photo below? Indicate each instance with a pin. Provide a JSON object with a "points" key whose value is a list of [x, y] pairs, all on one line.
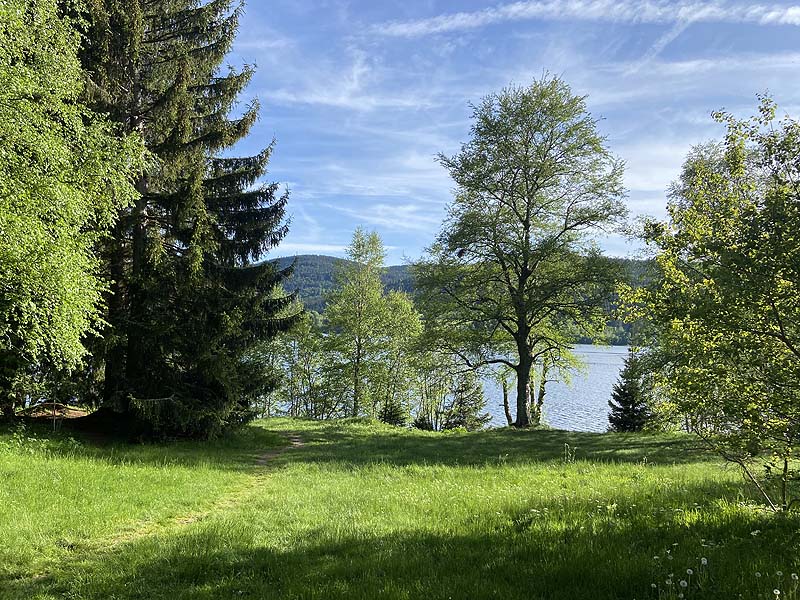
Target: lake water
{"points": [[581, 406]]}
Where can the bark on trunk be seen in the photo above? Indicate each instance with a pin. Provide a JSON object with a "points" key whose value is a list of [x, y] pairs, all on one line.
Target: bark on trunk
{"points": [[506, 406], [536, 416], [357, 380], [135, 358], [523, 393], [114, 369]]}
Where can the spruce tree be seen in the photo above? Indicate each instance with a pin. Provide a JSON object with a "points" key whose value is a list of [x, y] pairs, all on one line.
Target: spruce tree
{"points": [[467, 405], [189, 294], [629, 411]]}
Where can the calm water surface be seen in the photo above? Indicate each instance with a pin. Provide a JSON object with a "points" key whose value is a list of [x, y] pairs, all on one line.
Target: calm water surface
{"points": [[581, 406]]}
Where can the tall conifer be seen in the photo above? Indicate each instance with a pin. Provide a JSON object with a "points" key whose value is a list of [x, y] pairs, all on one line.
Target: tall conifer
{"points": [[189, 294]]}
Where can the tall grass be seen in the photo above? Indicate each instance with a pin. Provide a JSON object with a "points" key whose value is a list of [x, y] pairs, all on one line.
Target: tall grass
{"points": [[370, 511]]}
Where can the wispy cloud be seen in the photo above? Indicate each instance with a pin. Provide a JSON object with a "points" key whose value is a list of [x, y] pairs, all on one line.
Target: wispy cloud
{"points": [[738, 64], [639, 11], [293, 248], [665, 40], [394, 217], [355, 86]]}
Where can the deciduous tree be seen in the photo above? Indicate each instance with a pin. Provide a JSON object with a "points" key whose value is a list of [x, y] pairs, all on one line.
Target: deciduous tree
{"points": [[726, 311], [65, 172], [514, 277]]}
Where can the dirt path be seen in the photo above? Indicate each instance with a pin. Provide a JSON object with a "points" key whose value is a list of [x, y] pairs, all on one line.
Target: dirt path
{"points": [[143, 529], [224, 502], [295, 441]]}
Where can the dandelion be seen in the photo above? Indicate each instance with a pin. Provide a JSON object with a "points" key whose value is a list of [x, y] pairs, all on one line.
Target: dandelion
{"points": [[684, 584], [704, 561], [777, 592], [758, 574], [668, 582], [680, 595], [779, 573], [755, 533], [794, 576], [689, 572], [653, 585]]}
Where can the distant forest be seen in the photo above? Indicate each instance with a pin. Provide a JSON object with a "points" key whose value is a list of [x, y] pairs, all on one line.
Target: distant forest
{"points": [[313, 279]]}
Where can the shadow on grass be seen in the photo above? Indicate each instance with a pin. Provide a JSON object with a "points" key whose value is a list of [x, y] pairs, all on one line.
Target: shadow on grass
{"points": [[237, 450], [361, 444], [572, 559]]}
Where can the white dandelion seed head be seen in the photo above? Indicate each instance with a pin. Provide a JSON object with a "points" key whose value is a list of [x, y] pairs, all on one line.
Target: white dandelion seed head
{"points": [[704, 561], [689, 572], [794, 576], [758, 574], [684, 584]]}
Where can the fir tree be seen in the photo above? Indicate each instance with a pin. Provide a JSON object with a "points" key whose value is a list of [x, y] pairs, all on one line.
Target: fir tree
{"points": [[467, 404], [629, 411], [189, 293], [393, 413]]}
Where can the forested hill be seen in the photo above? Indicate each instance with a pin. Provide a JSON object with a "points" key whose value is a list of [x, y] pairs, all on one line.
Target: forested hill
{"points": [[313, 277]]}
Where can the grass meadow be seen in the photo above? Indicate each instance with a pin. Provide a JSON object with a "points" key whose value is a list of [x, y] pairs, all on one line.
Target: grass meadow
{"points": [[363, 510]]}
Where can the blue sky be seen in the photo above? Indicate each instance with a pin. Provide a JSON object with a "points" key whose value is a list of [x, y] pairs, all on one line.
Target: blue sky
{"points": [[361, 95]]}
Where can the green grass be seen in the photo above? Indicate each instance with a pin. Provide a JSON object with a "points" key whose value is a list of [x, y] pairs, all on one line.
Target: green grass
{"points": [[370, 511]]}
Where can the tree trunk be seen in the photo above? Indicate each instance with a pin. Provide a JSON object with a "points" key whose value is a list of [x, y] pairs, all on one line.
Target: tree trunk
{"points": [[537, 411], [135, 358], [114, 370], [523, 393], [506, 407], [7, 408], [357, 380]]}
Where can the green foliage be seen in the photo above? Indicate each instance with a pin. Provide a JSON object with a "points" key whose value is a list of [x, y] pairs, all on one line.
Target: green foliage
{"points": [[64, 174], [514, 278], [467, 404], [629, 410], [192, 295], [725, 313], [370, 332]]}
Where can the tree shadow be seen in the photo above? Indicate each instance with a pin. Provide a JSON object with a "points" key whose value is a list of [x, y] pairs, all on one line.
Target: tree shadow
{"points": [[238, 450], [335, 442], [520, 557]]}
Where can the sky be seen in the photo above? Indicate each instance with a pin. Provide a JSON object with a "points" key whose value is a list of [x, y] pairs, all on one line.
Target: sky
{"points": [[360, 96]]}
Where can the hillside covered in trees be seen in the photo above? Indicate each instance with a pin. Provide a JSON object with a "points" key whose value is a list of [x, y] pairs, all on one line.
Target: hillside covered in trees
{"points": [[313, 279]]}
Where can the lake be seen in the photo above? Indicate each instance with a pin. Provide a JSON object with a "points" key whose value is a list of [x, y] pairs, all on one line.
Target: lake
{"points": [[581, 406]]}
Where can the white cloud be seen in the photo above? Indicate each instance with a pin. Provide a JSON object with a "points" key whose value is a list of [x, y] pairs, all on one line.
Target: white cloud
{"points": [[639, 11], [394, 217], [356, 86], [293, 248]]}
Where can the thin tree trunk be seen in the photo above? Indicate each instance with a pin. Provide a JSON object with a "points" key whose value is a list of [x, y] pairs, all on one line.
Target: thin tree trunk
{"points": [[357, 380], [506, 407], [537, 411]]}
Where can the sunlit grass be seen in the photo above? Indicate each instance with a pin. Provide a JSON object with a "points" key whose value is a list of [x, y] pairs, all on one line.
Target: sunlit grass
{"points": [[369, 511]]}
